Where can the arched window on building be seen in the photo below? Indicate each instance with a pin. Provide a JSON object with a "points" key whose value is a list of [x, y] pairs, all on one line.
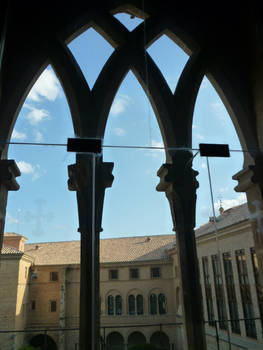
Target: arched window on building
{"points": [[153, 304], [131, 303], [139, 304], [110, 305], [118, 305], [162, 304]]}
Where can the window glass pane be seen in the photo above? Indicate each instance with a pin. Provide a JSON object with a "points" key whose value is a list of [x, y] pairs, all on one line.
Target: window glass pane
{"points": [[153, 304], [118, 303], [220, 298], [131, 305], [113, 274], [134, 273], [53, 276], [139, 300], [162, 304], [208, 292], [155, 272], [259, 287], [231, 293], [110, 305], [53, 306], [245, 294]]}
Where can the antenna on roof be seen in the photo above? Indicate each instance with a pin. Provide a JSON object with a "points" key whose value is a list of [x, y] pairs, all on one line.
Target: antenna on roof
{"points": [[221, 209]]}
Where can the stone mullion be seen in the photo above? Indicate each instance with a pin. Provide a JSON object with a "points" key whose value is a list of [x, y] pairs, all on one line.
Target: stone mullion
{"points": [[178, 181], [8, 172], [89, 203]]}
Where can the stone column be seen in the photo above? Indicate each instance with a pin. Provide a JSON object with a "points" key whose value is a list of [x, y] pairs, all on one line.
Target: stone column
{"points": [[250, 180], [178, 181], [8, 172], [89, 177]]}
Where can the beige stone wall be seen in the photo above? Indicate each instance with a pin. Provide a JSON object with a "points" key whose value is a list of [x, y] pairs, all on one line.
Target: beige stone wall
{"points": [[22, 301], [124, 286], [43, 291], [8, 294]]}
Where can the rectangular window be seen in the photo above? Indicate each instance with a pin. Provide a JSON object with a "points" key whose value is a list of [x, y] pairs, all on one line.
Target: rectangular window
{"points": [[231, 293], [155, 272], [53, 306], [33, 305], [54, 276], [208, 292], [245, 294], [134, 274], [259, 287], [220, 298], [113, 274]]}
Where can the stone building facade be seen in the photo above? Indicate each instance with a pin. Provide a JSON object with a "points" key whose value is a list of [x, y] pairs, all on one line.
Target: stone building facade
{"points": [[140, 289]]}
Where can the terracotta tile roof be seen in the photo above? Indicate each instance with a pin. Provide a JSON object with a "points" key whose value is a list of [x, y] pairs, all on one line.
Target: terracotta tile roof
{"points": [[6, 249], [229, 217], [130, 249]]}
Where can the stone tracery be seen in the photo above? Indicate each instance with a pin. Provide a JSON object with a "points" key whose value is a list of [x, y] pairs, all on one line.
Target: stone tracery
{"points": [[89, 115]]}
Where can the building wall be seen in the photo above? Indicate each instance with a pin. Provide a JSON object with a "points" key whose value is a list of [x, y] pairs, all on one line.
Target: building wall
{"points": [[230, 240], [25, 289], [8, 296]]}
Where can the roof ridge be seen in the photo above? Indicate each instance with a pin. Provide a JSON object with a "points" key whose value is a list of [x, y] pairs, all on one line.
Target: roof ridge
{"points": [[104, 239]]}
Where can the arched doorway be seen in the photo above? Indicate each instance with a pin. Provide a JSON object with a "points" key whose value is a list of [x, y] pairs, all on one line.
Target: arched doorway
{"points": [[136, 338], [115, 341], [43, 342], [160, 340]]}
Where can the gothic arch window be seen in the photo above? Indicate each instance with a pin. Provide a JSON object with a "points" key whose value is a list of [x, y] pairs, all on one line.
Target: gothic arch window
{"points": [[118, 305], [153, 304], [162, 304]]}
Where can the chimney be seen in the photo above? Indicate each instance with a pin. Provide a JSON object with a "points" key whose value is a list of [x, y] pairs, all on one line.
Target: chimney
{"points": [[15, 240], [221, 210]]}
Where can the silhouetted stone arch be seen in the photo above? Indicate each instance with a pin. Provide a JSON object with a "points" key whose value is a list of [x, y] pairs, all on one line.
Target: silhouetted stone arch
{"points": [[161, 340], [136, 338], [43, 341], [115, 341]]}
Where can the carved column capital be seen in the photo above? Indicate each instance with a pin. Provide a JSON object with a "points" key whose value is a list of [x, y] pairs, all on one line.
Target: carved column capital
{"points": [[178, 181], [8, 172], [80, 174]]}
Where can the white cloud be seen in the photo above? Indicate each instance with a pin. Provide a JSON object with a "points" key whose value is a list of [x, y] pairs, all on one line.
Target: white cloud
{"points": [[155, 152], [119, 131], [120, 104], [38, 136], [11, 219], [16, 135], [46, 86], [193, 126], [203, 166], [25, 168], [219, 110], [223, 189], [199, 136], [36, 115], [206, 211], [229, 203]]}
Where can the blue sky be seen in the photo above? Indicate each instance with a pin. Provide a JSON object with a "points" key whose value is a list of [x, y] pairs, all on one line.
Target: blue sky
{"points": [[44, 210]]}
